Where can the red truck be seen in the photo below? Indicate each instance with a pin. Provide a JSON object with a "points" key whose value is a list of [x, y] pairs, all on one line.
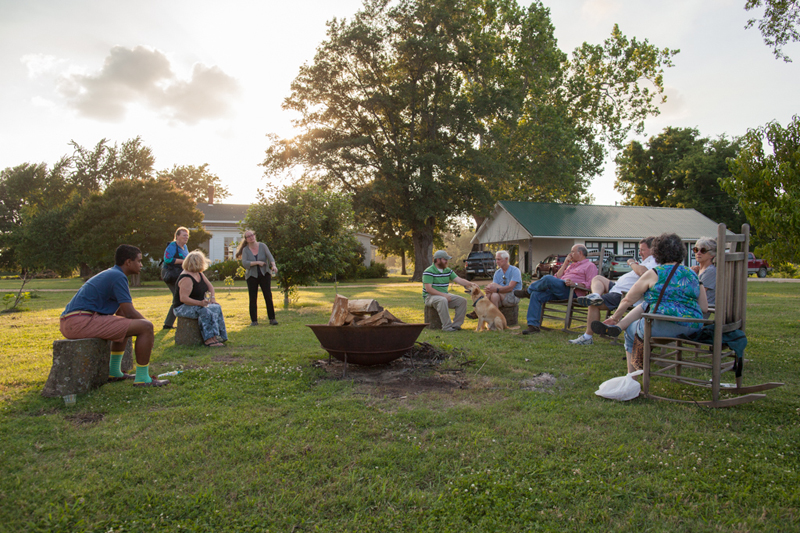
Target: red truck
{"points": [[758, 267]]}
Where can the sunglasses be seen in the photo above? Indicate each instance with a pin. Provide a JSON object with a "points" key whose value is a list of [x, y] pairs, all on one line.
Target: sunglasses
{"points": [[700, 250]]}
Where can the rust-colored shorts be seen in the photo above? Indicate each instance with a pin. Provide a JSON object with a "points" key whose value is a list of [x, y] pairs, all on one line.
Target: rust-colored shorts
{"points": [[110, 327]]}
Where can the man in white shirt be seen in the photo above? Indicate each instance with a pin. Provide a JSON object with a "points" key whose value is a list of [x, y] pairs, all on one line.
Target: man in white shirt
{"points": [[606, 294]]}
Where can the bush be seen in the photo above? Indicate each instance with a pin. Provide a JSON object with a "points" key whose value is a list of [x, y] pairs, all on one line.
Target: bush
{"points": [[376, 270], [151, 272], [223, 269], [787, 270]]}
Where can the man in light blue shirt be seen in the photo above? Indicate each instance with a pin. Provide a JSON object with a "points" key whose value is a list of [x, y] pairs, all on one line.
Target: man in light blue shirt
{"points": [[506, 278]]}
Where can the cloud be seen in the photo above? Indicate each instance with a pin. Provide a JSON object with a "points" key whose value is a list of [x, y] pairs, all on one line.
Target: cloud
{"points": [[142, 76], [40, 64]]}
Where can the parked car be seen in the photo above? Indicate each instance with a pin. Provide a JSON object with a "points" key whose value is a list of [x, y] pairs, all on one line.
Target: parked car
{"points": [[550, 265], [615, 266], [758, 267], [480, 264]]}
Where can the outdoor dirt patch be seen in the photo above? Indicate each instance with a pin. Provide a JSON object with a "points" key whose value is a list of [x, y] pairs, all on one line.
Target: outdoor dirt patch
{"points": [[83, 419], [408, 376], [540, 382]]}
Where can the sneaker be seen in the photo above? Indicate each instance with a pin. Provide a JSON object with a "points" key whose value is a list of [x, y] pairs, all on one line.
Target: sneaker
{"points": [[602, 329], [273, 322], [473, 315], [522, 293], [590, 299], [168, 327], [582, 340], [531, 329], [454, 328], [254, 323]]}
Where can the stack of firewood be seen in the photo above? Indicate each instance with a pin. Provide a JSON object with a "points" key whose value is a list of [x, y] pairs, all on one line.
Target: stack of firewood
{"points": [[360, 313]]}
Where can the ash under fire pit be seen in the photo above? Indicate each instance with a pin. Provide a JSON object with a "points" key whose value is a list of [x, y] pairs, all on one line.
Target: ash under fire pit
{"points": [[352, 337]]}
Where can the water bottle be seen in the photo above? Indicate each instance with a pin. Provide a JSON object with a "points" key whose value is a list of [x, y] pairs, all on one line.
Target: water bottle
{"points": [[168, 374]]}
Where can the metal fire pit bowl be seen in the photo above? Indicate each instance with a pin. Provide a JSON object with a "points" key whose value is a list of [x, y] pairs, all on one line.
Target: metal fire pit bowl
{"points": [[368, 345]]}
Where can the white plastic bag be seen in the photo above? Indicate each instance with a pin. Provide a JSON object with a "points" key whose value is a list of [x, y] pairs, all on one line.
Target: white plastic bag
{"points": [[623, 388]]}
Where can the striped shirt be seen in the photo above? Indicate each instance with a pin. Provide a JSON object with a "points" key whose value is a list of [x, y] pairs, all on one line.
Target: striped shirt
{"points": [[439, 280]]}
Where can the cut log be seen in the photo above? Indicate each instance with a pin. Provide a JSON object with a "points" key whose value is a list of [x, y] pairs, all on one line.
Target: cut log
{"points": [[380, 319], [340, 315], [188, 332], [79, 365], [364, 307]]}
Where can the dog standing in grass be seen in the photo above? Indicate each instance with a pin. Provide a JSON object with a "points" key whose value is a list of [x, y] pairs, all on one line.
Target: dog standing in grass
{"points": [[489, 316]]}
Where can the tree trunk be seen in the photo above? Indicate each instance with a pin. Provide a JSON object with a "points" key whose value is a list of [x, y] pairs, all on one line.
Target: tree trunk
{"points": [[286, 297], [403, 263], [136, 280], [423, 250], [478, 221]]}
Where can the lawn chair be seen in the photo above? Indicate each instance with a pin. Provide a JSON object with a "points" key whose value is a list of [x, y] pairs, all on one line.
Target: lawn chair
{"points": [[730, 315], [569, 311]]}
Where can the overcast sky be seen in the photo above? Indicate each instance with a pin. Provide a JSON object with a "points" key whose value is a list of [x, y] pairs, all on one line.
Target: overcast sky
{"points": [[202, 81]]}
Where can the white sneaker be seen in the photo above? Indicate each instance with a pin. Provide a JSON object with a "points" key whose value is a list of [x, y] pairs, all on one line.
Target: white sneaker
{"points": [[582, 340]]}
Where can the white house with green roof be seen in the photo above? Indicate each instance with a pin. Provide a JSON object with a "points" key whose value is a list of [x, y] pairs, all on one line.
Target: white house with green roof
{"points": [[541, 229]]}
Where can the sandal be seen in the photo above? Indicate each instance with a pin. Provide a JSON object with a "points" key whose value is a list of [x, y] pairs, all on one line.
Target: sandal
{"points": [[213, 342], [602, 329]]}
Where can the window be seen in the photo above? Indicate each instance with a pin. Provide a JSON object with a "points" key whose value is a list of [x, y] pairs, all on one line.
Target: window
{"points": [[230, 248], [609, 248], [631, 249]]}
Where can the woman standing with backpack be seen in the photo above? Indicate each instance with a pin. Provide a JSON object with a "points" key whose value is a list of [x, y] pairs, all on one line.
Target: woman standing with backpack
{"points": [[174, 255]]}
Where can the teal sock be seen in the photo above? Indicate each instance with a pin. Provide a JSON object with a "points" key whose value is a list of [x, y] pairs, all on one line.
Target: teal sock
{"points": [[142, 374], [115, 365]]}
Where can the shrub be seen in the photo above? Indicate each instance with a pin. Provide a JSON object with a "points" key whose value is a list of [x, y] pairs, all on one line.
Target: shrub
{"points": [[150, 272], [223, 269], [376, 270]]}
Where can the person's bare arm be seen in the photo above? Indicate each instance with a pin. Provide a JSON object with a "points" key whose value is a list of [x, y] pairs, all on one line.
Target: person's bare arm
{"points": [[635, 294], [128, 311], [639, 268], [185, 288]]}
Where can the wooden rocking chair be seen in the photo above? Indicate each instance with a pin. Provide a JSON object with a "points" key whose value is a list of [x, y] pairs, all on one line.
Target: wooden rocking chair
{"points": [[718, 357]]}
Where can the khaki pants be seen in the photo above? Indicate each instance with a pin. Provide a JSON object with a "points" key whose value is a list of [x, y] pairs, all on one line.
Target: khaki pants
{"points": [[442, 307]]}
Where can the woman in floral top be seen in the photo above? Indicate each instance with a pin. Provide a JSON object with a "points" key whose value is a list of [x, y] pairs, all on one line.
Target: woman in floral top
{"points": [[682, 297]]}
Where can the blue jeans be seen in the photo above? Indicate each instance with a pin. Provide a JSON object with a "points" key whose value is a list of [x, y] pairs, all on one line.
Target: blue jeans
{"points": [[659, 328], [210, 319], [546, 289]]}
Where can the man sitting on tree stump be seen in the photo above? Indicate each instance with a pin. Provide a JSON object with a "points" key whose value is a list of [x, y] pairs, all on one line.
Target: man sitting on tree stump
{"points": [[103, 308], [435, 283]]}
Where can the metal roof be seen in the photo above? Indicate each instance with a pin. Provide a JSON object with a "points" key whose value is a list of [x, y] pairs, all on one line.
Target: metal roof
{"points": [[228, 213], [607, 221]]}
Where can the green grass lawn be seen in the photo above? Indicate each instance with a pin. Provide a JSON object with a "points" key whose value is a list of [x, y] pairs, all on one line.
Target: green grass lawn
{"points": [[253, 437]]}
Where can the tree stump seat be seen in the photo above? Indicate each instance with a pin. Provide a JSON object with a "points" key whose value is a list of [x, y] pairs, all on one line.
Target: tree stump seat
{"points": [[188, 332], [511, 314], [432, 318], [80, 365]]}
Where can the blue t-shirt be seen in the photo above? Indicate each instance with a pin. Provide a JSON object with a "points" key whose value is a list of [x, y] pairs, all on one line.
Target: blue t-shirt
{"points": [[512, 274], [102, 293]]}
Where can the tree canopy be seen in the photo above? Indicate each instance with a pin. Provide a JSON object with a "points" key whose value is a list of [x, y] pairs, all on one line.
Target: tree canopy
{"points": [[195, 181], [143, 213], [429, 110], [779, 24], [38, 203], [308, 230], [679, 168], [766, 183]]}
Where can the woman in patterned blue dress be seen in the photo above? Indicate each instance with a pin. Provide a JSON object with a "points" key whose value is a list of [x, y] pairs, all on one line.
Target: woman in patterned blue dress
{"points": [[683, 296], [195, 299]]}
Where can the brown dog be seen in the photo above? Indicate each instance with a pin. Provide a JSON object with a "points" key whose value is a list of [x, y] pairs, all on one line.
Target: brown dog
{"points": [[489, 316]]}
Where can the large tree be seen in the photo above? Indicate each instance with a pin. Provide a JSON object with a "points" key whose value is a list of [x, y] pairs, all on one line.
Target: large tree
{"points": [[143, 213], [94, 169], [766, 183], [679, 168], [778, 25], [429, 110], [196, 181], [309, 232], [31, 187]]}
